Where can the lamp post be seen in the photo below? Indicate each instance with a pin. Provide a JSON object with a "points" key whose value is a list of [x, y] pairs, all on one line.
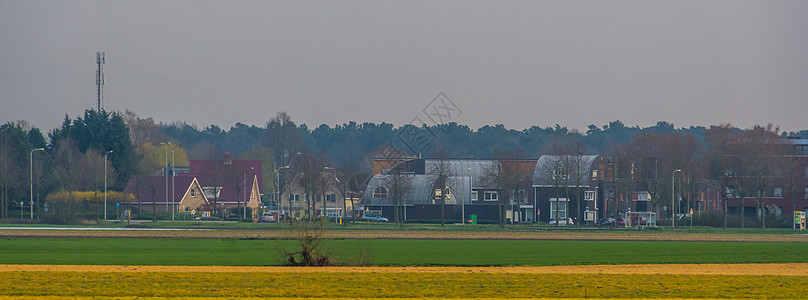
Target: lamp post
{"points": [[471, 191], [173, 204], [105, 183], [673, 195], [278, 190], [31, 160], [166, 174]]}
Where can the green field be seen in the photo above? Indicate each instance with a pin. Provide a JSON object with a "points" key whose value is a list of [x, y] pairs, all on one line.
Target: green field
{"points": [[246, 252]]}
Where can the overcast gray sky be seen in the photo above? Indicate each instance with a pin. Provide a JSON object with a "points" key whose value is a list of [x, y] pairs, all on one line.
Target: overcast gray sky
{"points": [[519, 63]]}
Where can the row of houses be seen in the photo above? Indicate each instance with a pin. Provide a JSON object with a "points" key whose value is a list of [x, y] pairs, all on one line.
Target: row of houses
{"points": [[520, 191], [526, 191]]}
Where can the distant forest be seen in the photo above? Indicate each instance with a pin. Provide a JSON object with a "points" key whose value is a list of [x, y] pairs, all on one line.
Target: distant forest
{"points": [[459, 141]]}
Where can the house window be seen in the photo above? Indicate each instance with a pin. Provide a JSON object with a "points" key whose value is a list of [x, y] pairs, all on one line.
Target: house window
{"points": [[294, 197], [518, 196], [806, 193], [562, 208], [643, 196], [778, 171], [193, 192], [806, 171], [330, 198], [777, 192], [491, 196], [594, 174], [560, 173], [474, 196], [380, 192], [589, 195]]}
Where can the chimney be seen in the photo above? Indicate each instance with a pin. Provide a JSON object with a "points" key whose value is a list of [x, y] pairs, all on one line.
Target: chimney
{"points": [[227, 160]]}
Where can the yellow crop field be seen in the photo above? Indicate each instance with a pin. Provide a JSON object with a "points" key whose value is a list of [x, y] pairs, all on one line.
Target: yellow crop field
{"points": [[651, 281]]}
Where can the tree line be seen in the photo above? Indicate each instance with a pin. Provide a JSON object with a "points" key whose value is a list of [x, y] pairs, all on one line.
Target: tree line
{"points": [[78, 153]]}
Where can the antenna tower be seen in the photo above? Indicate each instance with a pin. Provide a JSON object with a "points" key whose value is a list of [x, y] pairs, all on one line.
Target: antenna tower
{"points": [[99, 77]]}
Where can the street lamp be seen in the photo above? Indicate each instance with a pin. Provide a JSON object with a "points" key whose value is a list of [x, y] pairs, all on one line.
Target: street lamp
{"points": [[673, 193], [173, 204], [278, 190], [166, 174], [31, 160], [105, 183], [471, 191]]}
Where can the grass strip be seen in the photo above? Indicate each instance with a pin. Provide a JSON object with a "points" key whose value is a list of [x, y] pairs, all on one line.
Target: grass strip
{"points": [[238, 252]]}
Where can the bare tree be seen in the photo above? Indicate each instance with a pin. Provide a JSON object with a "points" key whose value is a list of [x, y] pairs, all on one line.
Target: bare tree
{"points": [[141, 131], [215, 177], [348, 167], [283, 137], [308, 176], [310, 252], [718, 140], [398, 184], [90, 176], [553, 168], [67, 167], [761, 148], [577, 166], [618, 173], [441, 172], [9, 174], [515, 178]]}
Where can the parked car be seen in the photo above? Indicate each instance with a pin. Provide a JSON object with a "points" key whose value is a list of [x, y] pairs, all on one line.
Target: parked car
{"points": [[568, 221], [639, 221], [374, 217], [268, 217], [605, 222]]}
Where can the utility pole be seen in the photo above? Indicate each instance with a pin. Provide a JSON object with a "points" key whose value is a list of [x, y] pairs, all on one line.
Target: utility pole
{"points": [[99, 77]]}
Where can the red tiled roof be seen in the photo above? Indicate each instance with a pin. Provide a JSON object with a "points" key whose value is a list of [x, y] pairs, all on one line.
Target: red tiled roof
{"points": [[230, 177], [155, 186]]}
